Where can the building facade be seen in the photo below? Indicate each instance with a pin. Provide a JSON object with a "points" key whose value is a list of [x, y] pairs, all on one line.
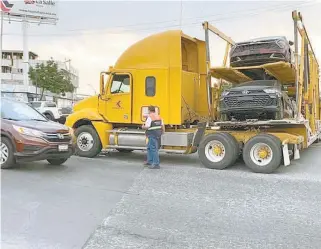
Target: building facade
{"points": [[12, 84]]}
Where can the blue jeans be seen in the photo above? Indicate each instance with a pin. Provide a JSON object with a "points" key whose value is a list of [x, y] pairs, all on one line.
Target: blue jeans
{"points": [[152, 151]]}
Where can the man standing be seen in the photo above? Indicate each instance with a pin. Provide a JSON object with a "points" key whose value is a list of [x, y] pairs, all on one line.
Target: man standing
{"points": [[154, 127]]}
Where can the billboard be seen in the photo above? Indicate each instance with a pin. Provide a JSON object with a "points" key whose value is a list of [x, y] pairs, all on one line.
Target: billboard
{"points": [[38, 9]]}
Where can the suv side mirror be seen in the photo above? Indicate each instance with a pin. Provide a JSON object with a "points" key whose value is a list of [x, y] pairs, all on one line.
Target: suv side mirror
{"points": [[291, 43]]}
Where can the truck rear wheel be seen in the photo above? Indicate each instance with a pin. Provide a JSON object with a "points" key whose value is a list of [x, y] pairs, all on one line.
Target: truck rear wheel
{"points": [[88, 141], [263, 153], [218, 151]]}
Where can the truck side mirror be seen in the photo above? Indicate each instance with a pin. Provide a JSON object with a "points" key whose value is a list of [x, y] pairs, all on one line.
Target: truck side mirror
{"points": [[102, 84]]}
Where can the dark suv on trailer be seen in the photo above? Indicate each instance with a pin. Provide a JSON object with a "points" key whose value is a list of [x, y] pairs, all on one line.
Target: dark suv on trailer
{"points": [[27, 135], [260, 99], [261, 51]]}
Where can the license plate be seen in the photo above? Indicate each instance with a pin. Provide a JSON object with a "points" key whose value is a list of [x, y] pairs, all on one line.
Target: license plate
{"points": [[63, 147]]}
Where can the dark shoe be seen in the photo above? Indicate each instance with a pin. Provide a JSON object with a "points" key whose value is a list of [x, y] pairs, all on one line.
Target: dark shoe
{"points": [[146, 163], [154, 167]]}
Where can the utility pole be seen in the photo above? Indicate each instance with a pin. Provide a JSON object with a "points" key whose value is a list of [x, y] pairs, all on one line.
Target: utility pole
{"points": [[68, 70], [25, 51], [1, 35]]}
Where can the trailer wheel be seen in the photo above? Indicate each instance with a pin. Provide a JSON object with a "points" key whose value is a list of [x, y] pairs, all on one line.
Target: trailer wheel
{"points": [[218, 151], [88, 141], [263, 153]]}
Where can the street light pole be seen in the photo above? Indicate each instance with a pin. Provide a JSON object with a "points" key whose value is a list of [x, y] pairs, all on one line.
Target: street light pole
{"points": [[1, 36]]}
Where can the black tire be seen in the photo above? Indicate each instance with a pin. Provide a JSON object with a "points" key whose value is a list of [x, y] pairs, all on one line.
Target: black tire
{"points": [[49, 116], [274, 143], [57, 161], [10, 161], [96, 146], [231, 150], [124, 150]]}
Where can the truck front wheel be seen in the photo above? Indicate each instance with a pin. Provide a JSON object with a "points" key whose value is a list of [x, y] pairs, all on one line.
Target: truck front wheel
{"points": [[88, 141]]}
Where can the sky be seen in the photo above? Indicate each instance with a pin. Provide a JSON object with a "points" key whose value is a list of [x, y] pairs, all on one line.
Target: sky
{"points": [[93, 34]]}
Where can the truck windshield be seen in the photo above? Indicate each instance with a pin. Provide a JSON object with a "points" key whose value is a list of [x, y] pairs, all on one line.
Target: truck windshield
{"points": [[15, 110], [120, 84]]}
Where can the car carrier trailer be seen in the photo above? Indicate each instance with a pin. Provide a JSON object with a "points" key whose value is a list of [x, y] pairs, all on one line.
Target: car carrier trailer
{"points": [[172, 71]]}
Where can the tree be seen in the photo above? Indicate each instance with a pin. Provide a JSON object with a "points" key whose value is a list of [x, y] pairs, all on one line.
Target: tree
{"points": [[48, 77]]}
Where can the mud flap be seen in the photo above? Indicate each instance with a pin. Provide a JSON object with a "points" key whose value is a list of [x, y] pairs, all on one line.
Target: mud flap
{"points": [[286, 156], [199, 134], [296, 152]]}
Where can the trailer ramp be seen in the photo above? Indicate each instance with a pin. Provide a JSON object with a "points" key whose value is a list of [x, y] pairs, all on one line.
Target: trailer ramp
{"points": [[282, 71]]}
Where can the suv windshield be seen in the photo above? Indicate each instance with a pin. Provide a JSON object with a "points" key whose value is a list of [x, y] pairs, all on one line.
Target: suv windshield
{"points": [[49, 104], [35, 104], [259, 83], [15, 110]]}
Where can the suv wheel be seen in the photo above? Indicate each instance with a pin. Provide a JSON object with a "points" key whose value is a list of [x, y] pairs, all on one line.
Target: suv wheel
{"points": [[48, 116], [88, 141], [57, 161], [7, 158]]}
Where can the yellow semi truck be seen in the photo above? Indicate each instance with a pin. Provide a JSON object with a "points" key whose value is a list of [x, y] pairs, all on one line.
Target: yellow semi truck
{"points": [[172, 71]]}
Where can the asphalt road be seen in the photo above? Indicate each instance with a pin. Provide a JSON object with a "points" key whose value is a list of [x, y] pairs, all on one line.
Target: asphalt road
{"points": [[192, 207], [45, 206], [112, 202]]}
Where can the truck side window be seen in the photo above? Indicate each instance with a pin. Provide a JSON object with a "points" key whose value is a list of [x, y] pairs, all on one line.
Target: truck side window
{"points": [[120, 84], [150, 86]]}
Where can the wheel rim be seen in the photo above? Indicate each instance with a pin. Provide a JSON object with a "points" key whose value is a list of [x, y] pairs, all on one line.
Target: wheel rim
{"points": [[4, 153], [261, 154], [215, 151], [85, 141]]}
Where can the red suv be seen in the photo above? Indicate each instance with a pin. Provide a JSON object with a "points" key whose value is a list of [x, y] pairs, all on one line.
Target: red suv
{"points": [[26, 135]]}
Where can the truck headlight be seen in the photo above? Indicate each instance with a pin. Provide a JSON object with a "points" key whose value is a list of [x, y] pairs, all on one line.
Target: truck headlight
{"points": [[28, 131]]}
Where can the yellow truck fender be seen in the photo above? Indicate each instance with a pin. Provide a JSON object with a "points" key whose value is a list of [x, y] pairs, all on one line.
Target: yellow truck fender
{"points": [[90, 116]]}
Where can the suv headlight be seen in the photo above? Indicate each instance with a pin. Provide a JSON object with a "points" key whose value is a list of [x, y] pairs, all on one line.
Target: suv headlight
{"points": [[28, 131], [272, 91], [233, 48], [224, 93], [59, 112], [281, 43]]}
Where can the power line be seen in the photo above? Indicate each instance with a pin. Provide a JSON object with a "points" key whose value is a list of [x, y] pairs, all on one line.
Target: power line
{"points": [[279, 7]]}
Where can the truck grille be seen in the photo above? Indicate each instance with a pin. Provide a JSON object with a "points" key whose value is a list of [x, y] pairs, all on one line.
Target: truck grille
{"points": [[57, 137], [255, 101]]}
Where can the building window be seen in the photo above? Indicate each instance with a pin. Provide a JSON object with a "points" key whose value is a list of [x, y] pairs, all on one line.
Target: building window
{"points": [[120, 84], [150, 86]]}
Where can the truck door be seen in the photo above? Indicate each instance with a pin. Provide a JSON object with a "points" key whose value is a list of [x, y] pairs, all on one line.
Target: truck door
{"points": [[119, 99]]}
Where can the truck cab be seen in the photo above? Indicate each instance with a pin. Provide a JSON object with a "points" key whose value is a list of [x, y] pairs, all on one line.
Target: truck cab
{"points": [[167, 70]]}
